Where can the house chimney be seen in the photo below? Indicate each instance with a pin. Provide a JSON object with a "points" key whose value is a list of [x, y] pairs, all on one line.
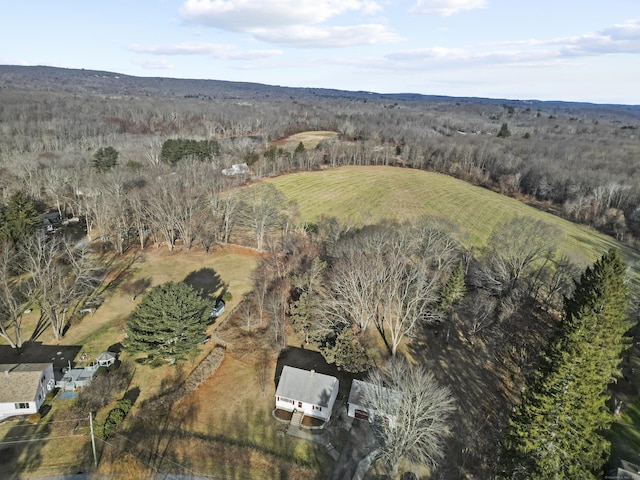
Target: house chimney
{"points": [[312, 372]]}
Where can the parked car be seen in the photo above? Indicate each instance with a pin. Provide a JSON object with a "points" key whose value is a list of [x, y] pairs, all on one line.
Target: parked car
{"points": [[217, 309]]}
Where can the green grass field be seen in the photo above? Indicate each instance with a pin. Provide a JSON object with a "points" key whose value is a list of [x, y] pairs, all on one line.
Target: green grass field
{"points": [[366, 195]]}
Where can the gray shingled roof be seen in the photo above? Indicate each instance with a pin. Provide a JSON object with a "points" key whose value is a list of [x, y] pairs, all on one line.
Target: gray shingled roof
{"points": [[306, 386], [361, 393], [19, 381]]}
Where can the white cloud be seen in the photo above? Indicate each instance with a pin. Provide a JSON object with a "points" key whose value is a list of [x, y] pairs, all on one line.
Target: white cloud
{"points": [[445, 7], [624, 38], [322, 37], [616, 39], [464, 58], [245, 15], [215, 50], [291, 22]]}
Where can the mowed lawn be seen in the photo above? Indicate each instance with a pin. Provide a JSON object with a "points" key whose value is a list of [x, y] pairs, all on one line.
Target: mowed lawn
{"points": [[309, 139], [367, 195], [95, 333]]}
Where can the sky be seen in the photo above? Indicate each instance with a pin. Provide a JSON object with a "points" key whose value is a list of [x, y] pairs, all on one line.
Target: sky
{"points": [[571, 50]]}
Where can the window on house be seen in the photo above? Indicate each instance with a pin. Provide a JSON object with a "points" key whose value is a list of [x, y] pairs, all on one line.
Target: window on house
{"points": [[22, 405]]}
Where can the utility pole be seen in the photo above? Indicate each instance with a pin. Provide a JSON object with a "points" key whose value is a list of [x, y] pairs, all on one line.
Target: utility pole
{"points": [[93, 441]]}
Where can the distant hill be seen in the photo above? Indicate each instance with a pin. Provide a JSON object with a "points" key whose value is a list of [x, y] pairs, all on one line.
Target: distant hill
{"points": [[110, 83]]}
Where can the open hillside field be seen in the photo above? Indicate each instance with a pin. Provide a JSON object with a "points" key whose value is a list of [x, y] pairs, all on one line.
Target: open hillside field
{"points": [[366, 195], [309, 139]]}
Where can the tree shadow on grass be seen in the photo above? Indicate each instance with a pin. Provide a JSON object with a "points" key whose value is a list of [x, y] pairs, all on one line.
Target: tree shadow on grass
{"points": [[485, 372], [207, 281]]}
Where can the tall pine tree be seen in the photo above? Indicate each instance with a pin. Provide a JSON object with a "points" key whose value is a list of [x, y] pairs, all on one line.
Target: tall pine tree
{"points": [[169, 321], [18, 220], [556, 432]]}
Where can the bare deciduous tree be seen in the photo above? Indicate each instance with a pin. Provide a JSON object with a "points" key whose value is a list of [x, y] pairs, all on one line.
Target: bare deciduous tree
{"points": [[276, 303], [12, 301], [59, 277], [412, 413], [408, 298], [381, 276], [261, 210], [512, 254]]}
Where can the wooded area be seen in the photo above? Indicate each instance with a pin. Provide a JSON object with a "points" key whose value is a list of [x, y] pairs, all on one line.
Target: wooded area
{"points": [[575, 159]]}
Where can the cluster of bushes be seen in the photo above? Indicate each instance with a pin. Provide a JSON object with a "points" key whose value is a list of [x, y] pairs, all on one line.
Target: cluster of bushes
{"points": [[114, 418]]}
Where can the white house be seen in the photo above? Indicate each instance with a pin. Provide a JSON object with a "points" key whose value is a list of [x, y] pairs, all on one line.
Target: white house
{"points": [[306, 391], [23, 387], [236, 169], [387, 402]]}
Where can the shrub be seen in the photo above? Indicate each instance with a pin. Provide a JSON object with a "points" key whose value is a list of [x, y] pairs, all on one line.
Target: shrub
{"points": [[227, 297], [33, 418], [115, 417]]}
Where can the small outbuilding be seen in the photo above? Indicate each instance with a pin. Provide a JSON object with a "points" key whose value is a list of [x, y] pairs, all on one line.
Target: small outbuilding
{"points": [[106, 359], [387, 402], [306, 392], [23, 387]]}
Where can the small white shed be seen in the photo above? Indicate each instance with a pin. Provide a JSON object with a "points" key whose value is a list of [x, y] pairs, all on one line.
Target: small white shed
{"points": [[306, 391]]}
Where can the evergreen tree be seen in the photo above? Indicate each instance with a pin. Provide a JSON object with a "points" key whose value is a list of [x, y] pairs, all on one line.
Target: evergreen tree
{"points": [[347, 353], [18, 220], [299, 149], [105, 159], [557, 430], [174, 150], [169, 321], [454, 290], [504, 131]]}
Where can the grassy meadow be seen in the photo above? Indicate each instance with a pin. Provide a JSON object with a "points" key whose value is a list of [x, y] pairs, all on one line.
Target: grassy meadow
{"points": [[366, 195], [309, 139]]}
